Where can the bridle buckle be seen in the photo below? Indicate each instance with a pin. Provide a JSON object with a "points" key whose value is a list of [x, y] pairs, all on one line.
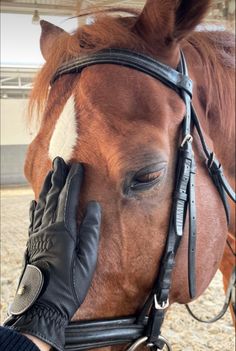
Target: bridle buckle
{"points": [[162, 306], [187, 138]]}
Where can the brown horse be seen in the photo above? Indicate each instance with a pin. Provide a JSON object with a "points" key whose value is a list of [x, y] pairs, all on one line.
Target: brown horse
{"points": [[123, 122]]}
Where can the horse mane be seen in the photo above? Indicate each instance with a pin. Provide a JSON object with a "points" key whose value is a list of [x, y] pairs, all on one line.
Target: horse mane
{"points": [[215, 50]]}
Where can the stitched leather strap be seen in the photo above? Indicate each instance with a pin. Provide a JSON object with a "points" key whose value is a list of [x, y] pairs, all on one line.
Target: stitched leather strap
{"points": [[153, 330], [192, 233], [85, 335], [122, 57], [229, 299], [215, 168], [181, 193]]}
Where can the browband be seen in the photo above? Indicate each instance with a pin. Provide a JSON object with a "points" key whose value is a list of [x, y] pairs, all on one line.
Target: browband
{"points": [[123, 57]]}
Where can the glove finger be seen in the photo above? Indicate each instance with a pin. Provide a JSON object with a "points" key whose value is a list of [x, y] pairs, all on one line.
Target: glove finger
{"points": [[33, 205], [69, 198], [60, 171], [87, 248], [38, 213]]}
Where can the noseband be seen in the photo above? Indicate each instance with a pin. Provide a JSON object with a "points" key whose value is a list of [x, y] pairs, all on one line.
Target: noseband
{"points": [[145, 327]]}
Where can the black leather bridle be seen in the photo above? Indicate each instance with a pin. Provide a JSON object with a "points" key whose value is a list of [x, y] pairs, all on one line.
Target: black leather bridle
{"points": [[145, 327]]}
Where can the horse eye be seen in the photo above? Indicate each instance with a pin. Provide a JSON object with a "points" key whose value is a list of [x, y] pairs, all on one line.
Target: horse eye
{"points": [[145, 181], [149, 177]]}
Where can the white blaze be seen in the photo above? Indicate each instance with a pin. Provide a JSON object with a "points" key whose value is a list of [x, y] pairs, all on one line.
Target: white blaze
{"points": [[64, 137]]}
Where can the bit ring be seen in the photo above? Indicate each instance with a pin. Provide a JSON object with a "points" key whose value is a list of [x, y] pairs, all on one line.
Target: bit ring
{"points": [[143, 340]]}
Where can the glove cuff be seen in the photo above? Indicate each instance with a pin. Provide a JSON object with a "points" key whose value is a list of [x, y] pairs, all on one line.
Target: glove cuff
{"points": [[43, 322]]}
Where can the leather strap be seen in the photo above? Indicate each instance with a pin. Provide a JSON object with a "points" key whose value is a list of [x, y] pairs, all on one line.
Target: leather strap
{"points": [[123, 57], [153, 330], [192, 232], [186, 97], [85, 335], [211, 159], [163, 283], [229, 298], [215, 169], [191, 189]]}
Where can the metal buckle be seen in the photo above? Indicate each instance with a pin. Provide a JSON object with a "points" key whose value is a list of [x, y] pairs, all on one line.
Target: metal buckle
{"points": [[137, 343], [163, 306], [211, 160], [143, 340], [168, 346], [187, 138]]}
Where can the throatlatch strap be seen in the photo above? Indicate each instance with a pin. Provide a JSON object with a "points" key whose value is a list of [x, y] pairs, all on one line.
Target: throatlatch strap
{"points": [[216, 173], [229, 298], [215, 169]]}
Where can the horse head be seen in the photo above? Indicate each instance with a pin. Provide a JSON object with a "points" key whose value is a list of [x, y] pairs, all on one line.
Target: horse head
{"points": [[124, 127]]}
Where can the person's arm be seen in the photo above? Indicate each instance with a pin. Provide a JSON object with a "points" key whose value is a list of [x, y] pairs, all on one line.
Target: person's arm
{"points": [[10, 340], [42, 346], [59, 260]]}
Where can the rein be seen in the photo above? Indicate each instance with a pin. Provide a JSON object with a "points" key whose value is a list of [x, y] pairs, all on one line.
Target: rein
{"points": [[145, 327]]}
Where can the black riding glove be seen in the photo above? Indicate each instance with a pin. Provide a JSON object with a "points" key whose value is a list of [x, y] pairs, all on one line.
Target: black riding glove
{"points": [[59, 259]]}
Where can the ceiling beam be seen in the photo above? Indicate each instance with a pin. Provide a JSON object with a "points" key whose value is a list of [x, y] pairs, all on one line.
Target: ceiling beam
{"points": [[63, 10], [28, 8], [80, 5]]}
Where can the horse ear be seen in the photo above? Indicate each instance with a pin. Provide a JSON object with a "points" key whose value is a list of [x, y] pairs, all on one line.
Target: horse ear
{"points": [[189, 14], [49, 35], [166, 21]]}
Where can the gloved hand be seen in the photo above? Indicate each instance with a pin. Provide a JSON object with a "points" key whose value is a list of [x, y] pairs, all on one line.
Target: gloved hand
{"points": [[60, 259]]}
